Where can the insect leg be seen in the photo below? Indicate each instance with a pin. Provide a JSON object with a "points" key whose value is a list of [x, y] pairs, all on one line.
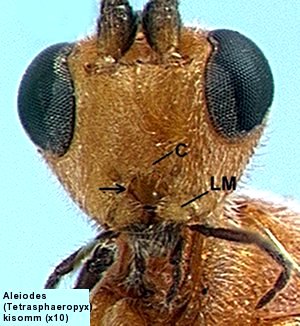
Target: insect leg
{"points": [[65, 267], [248, 237], [102, 258], [73, 262]]}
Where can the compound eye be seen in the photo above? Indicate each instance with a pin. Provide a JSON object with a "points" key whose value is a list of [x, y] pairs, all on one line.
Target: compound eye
{"points": [[46, 102], [238, 84]]}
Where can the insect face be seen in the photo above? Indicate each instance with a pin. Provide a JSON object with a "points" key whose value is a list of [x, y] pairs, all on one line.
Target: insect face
{"points": [[102, 116]]}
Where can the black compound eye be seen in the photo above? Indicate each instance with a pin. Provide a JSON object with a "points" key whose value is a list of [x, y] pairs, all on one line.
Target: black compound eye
{"points": [[46, 102], [238, 83]]}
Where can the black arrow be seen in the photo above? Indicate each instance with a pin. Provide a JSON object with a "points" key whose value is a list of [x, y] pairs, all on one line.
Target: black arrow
{"points": [[118, 189]]}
